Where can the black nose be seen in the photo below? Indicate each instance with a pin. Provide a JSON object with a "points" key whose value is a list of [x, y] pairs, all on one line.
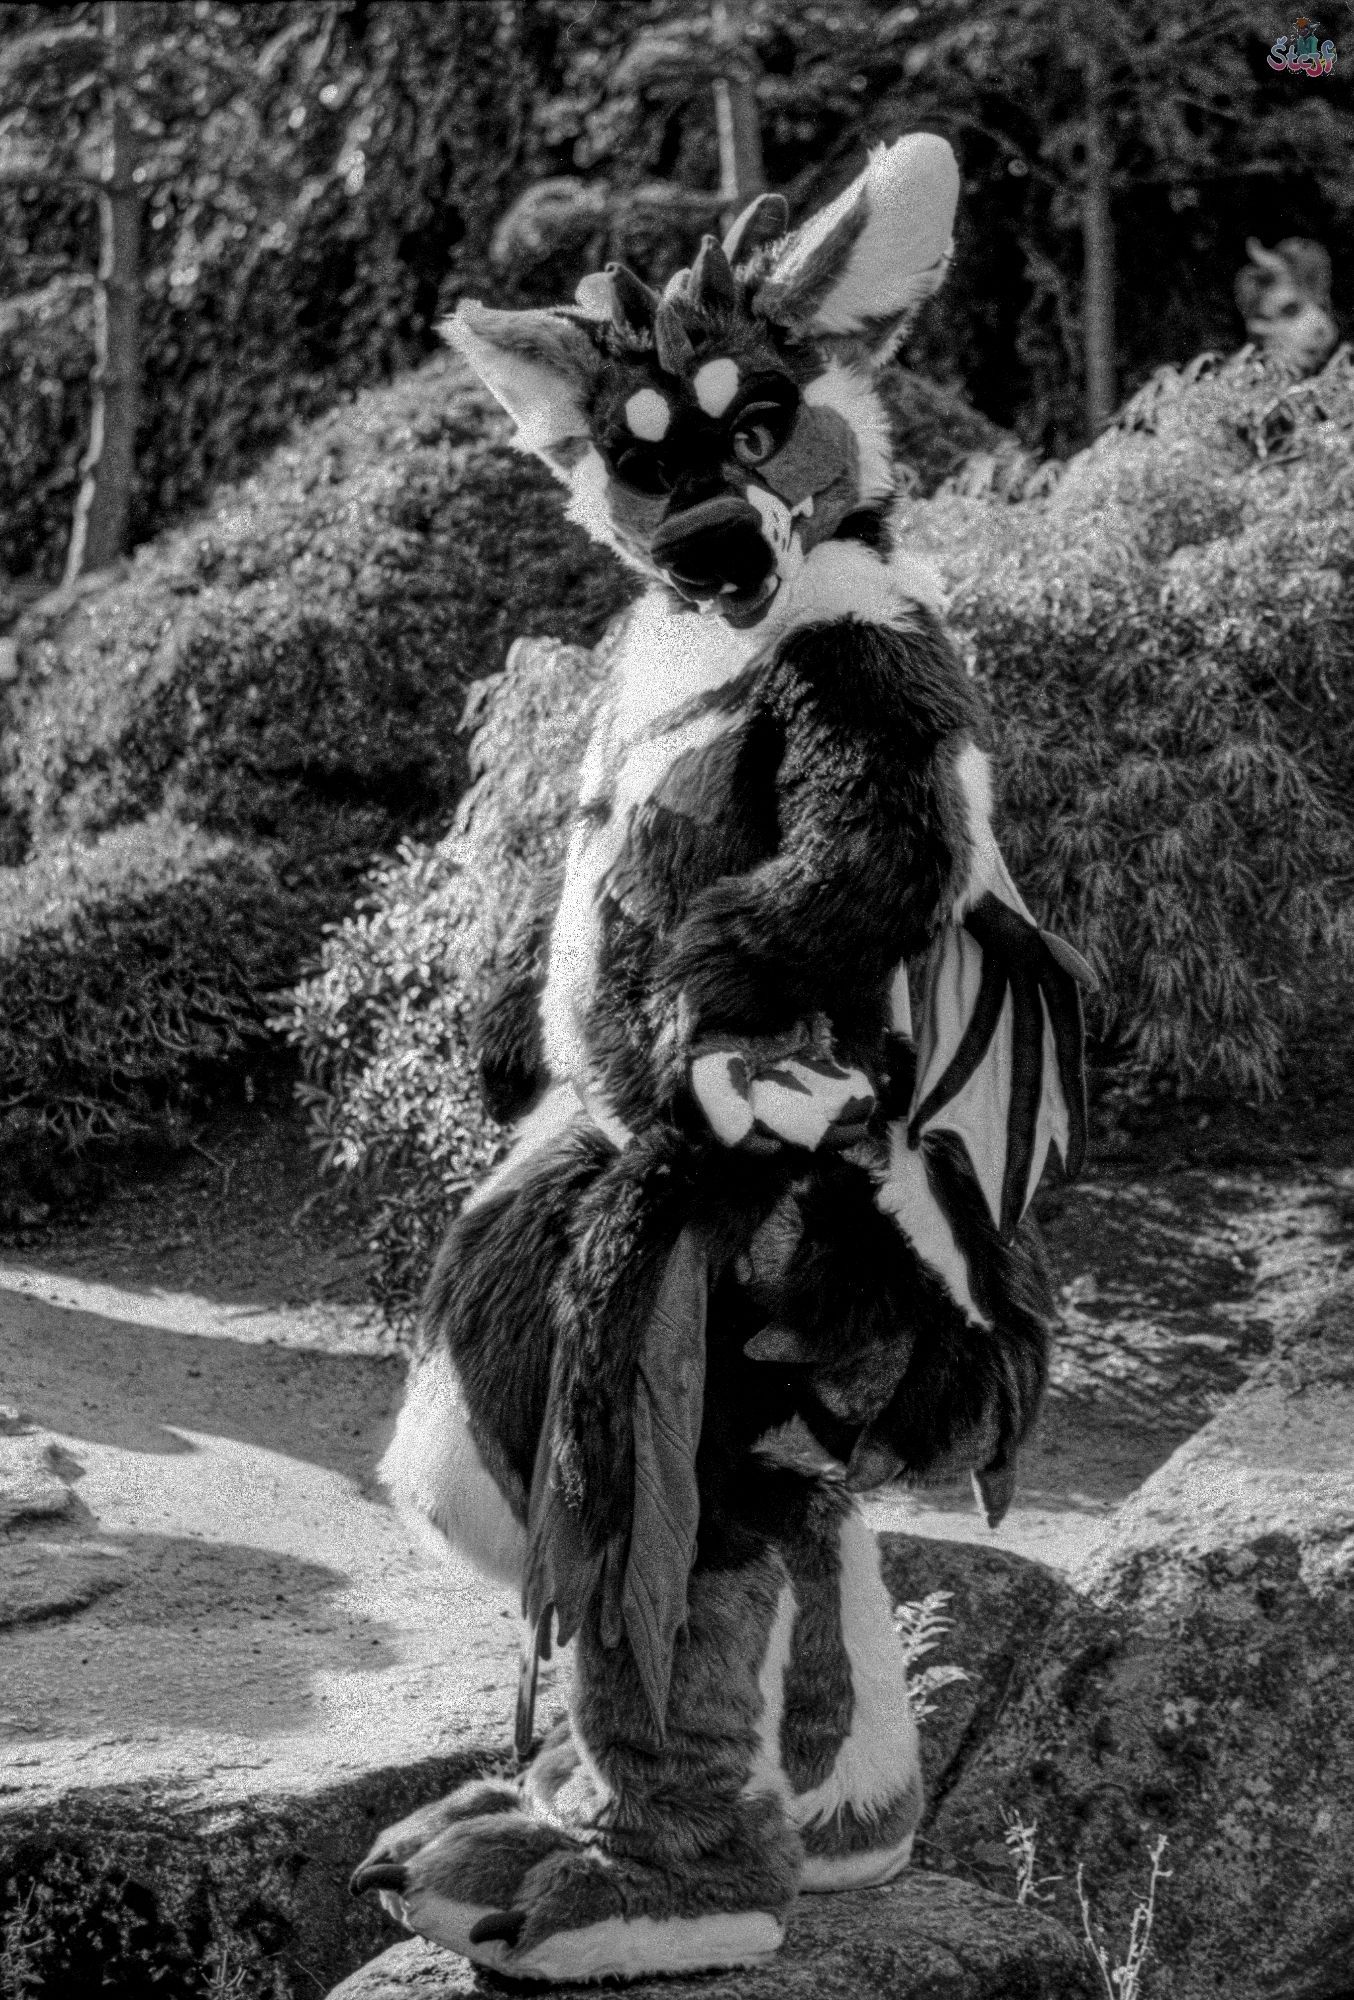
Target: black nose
{"points": [[715, 549]]}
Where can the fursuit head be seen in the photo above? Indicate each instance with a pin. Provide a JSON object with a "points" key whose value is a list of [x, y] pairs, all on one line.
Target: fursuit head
{"points": [[760, 1241]]}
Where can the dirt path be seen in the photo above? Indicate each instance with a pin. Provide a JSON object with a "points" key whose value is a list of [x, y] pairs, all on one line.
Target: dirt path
{"points": [[1172, 1282], [1171, 1286]]}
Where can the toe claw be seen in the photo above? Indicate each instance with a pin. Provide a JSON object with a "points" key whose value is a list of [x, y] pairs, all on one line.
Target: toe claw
{"points": [[873, 1463], [505, 1924], [995, 1488], [377, 1875]]}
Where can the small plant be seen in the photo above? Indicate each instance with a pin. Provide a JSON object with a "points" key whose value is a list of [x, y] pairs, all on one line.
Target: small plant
{"points": [[226, 1981], [921, 1626], [1021, 1837], [23, 1939], [1124, 1982]]}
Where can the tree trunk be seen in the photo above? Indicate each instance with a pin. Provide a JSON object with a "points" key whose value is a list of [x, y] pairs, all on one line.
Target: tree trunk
{"points": [[1097, 238], [108, 469], [741, 172]]}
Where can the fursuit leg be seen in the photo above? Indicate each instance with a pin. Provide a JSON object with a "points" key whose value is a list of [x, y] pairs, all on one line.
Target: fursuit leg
{"points": [[837, 1742], [459, 1465], [621, 1856]]}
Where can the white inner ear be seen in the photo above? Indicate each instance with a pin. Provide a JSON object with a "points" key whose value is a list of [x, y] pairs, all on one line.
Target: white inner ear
{"points": [[848, 392], [911, 191], [543, 400]]}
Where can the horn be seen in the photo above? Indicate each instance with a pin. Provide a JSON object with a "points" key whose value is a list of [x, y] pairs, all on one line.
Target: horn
{"points": [[633, 303], [780, 1343], [593, 295], [675, 352], [712, 288], [1268, 260], [764, 219]]}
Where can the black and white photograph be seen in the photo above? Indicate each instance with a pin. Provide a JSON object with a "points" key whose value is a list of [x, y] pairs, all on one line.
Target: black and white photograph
{"points": [[676, 1000]]}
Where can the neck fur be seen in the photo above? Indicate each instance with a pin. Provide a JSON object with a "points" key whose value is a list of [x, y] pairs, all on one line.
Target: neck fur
{"points": [[670, 654]]}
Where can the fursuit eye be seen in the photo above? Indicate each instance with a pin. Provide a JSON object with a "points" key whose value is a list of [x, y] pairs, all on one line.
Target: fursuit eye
{"points": [[753, 443], [644, 471], [760, 431]]}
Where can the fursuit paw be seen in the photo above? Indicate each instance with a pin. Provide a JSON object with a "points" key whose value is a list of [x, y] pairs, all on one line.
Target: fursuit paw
{"points": [[445, 1871], [582, 1914], [800, 1095], [381, 1865]]}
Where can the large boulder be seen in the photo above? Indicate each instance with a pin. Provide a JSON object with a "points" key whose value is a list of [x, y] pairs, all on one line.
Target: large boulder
{"points": [[1197, 1684], [922, 1938], [226, 1668], [222, 1665]]}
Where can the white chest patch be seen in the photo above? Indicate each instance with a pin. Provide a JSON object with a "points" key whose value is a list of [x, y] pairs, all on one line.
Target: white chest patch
{"points": [[667, 659]]}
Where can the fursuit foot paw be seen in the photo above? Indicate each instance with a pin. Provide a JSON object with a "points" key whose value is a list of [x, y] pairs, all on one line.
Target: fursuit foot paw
{"points": [[385, 1866], [861, 1850], [529, 1900]]}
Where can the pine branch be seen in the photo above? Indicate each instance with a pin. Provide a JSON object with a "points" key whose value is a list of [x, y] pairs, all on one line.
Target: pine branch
{"points": [[49, 50], [47, 177]]}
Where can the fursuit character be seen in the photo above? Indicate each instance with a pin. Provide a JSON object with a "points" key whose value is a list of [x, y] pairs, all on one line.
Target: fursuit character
{"points": [[1284, 296], [755, 1247]]}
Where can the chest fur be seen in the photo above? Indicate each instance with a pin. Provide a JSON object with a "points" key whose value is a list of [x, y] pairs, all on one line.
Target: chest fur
{"points": [[667, 756], [668, 701]]}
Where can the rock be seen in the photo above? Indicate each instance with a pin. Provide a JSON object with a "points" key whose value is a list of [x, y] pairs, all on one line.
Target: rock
{"points": [[924, 1937], [41, 1578], [998, 1607], [31, 1485], [927, 1933], [1199, 1686], [225, 1667]]}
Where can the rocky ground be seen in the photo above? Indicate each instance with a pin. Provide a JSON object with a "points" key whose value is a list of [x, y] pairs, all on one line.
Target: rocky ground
{"points": [[215, 1641]]}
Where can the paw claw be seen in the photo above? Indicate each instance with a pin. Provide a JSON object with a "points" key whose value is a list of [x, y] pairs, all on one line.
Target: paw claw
{"points": [[377, 1875], [505, 1924]]}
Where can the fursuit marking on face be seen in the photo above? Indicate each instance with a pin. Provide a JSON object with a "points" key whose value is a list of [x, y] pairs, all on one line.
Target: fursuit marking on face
{"points": [[716, 385], [648, 415], [716, 433], [778, 529]]}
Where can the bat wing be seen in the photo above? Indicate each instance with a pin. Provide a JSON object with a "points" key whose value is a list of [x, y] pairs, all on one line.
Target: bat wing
{"points": [[638, 1579], [1000, 1052]]}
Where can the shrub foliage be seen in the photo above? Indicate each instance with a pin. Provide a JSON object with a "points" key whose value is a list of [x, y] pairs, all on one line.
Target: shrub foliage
{"points": [[133, 968], [286, 675], [1168, 643], [306, 646], [1167, 638], [384, 1026]]}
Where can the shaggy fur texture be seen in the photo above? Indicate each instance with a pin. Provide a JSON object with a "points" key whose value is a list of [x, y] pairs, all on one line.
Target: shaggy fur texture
{"points": [[785, 804]]}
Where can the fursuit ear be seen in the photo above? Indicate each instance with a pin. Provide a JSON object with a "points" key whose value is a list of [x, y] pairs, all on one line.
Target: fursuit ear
{"points": [[540, 365], [863, 265]]}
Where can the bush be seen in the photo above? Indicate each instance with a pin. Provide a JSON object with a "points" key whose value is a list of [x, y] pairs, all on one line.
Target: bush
{"points": [[1168, 644], [45, 360], [287, 675], [384, 1026], [296, 661], [134, 970], [1167, 638]]}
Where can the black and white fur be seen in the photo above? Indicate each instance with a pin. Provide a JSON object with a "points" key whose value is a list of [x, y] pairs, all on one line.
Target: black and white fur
{"points": [[785, 805]]}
